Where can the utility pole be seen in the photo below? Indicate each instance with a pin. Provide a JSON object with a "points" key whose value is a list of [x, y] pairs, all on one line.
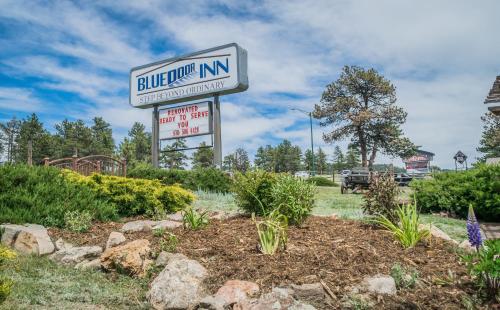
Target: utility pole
{"points": [[313, 170]]}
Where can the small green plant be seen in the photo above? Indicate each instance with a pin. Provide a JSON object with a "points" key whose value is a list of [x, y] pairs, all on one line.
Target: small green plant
{"points": [[194, 220], [78, 221], [169, 242], [381, 199], [5, 283], [484, 267], [321, 181], [404, 277], [272, 232], [159, 232], [252, 191], [293, 198], [406, 231]]}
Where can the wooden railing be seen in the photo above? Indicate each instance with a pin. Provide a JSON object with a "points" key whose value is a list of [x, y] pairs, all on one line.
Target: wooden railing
{"points": [[90, 164]]}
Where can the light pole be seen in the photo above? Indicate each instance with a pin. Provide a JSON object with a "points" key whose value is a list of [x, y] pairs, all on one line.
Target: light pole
{"points": [[313, 171]]}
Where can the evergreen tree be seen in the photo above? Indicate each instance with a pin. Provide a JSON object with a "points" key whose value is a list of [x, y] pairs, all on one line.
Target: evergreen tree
{"points": [[352, 157], [126, 149], [32, 131], [102, 138], [308, 160], [265, 158], [141, 141], [10, 132], [237, 161], [338, 159], [171, 158], [490, 139], [203, 157], [288, 157], [73, 138], [320, 162]]}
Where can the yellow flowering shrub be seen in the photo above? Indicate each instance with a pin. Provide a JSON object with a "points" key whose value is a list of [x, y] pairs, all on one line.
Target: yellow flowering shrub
{"points": [[136, 196], [5, 283]]}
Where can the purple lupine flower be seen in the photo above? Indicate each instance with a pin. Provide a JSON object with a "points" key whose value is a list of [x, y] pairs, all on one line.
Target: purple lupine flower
{"points": [[473, 230]]}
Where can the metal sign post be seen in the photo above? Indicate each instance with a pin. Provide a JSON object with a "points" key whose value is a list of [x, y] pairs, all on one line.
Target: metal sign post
{"points": [[155, 139], [217, 134]]}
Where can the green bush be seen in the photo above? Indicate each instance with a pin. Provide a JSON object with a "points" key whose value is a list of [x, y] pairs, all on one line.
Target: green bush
{"points": [[135, 196], [79, 221], [42, 195], [192, 219], [253, 191], [207, 179], [382, 198], [456, 191], [293, 198], [321, 181]]}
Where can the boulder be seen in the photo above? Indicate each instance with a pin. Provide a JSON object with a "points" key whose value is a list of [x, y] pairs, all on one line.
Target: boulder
{"points": [[234, 291], [179, 285], [164, 258], [115, 238], [27, 239], [89, 264], [378, 284], [310, 291], [167, 224], [62, 245], [136, 226], [211, 303], [279, 298], [436, 232], [75, 255], [177, 216], [131, 258], [467, 246]]}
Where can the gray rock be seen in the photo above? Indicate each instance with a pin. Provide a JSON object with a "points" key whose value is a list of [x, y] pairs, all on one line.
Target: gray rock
{"points": [[89, 264], [75, 255], [167, 224], [115, 238], [279, 299], [436, 232], [312, 290], [211, 303], [379, 284], [164, 258], [179, 285], [467, 246], [177, 216], [62, 245], [136, 226], [27, 239]]}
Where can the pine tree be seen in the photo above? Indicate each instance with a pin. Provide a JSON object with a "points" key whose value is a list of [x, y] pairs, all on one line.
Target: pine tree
{"points": [[352, 157], [320, 161], [237, 161], [172, 158], [490, 139], [73, 138], [338, 159], [203, 157], [308, 160], [10, 132], [32, 131], [265, 158], [102, 138], [288, 157], [142, 142]]}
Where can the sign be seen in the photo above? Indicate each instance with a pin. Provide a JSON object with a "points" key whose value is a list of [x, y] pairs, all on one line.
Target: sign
{"points": [[460, 157], [186, 121], [219, 70]]}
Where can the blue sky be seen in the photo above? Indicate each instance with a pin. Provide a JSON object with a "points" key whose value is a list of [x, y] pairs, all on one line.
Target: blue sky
{"points": [[71, 60]]}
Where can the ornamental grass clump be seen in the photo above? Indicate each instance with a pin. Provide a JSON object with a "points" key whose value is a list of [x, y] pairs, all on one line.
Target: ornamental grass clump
{"points": [[193, 219], [406, 230], [272, 232]]}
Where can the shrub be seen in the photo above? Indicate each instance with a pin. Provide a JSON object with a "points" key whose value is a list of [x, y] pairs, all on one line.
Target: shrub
{"points": [[207, 179], [78, 221], [455, 191], [135, 196], [168, 242], [321, 181], [194, 220], [253, 191], [406, 230], [42, 195], [484, 267], [5, 283], [293, 197], [404, 277], [272, 232], [381, 198]]}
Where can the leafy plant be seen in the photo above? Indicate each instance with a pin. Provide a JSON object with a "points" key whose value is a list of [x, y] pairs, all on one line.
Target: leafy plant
{"points": [[321, 181], [78, 221], [404, 277], [253, 191], [159, 232], [5, 283], [484, 267], [293, 198], [272, 232], [381, 199], [194, 220], [406, 230], [454, 192], [169, 242]]}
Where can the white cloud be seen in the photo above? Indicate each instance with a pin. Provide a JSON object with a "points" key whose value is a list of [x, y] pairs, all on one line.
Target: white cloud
{"points": [[20, 99]]}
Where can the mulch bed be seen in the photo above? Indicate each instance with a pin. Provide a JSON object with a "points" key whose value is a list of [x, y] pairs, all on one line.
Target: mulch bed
{"points": [[338, 252]]}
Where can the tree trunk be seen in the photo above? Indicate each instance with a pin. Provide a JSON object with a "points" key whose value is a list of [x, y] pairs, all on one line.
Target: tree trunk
{"points": [[372, 157], [362, 147]]}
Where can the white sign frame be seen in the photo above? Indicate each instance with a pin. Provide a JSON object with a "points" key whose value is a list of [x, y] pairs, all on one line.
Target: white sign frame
{"points": [[210, 130], [216, 76]]}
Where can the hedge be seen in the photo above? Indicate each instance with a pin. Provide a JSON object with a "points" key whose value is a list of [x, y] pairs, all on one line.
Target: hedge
{"points": [[207, 179], [43, 195], [456, 191]]}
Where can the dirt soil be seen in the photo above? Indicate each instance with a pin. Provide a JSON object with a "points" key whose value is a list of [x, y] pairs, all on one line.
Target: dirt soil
{"points": [[338, 252]]}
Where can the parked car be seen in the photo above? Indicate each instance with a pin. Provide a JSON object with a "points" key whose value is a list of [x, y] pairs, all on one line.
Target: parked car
{"points": [[402, 179], [358, 178]]}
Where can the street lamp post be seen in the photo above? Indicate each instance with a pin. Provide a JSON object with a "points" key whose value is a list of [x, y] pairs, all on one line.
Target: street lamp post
{"points": [[313, 170]]}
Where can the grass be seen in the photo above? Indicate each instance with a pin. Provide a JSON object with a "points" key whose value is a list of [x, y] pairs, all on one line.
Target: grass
{"points": [[40, 283]]}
